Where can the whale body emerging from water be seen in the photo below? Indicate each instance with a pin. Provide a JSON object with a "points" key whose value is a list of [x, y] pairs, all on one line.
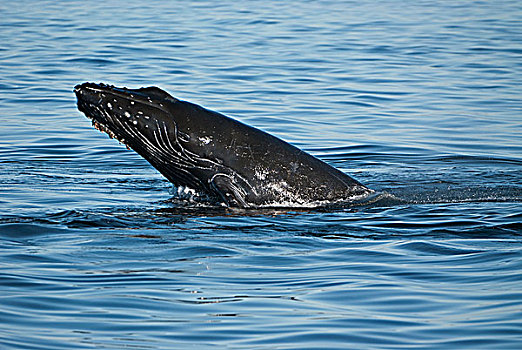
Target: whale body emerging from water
{"points": [[228, 161]]}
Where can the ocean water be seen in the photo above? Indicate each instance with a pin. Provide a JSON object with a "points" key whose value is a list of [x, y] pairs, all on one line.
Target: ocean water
{"points": [[418, 99]]}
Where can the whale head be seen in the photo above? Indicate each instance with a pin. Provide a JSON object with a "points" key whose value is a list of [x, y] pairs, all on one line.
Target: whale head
{"points": [[132, 116], [166, 132]]}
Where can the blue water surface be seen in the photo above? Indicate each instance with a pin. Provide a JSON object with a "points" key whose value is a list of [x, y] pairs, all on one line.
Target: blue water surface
{"points": [[418, 99]]}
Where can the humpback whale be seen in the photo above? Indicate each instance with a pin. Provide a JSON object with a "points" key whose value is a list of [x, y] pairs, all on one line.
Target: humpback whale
{"points": [[230, 162]]}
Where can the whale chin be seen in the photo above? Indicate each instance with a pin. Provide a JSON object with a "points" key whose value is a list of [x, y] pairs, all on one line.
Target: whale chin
{"points": [[217, 156]]}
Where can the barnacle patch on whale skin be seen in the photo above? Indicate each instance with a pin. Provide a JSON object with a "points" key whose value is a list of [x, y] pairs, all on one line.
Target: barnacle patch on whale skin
{"points": [[105, 129]]}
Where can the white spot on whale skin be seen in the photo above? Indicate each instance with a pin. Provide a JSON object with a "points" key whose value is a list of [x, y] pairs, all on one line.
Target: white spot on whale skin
{"points": [[127, 114], [109, 105], [261, 174], [205, 140], [132, 102], [135, 122]]}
